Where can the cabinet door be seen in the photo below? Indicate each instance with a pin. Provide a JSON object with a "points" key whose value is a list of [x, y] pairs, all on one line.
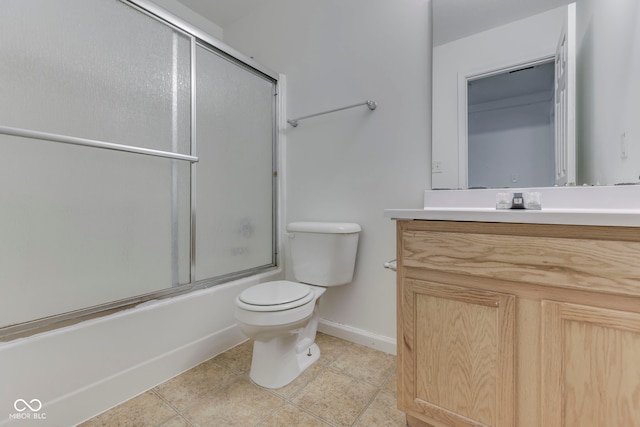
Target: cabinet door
{"points": [[591, 366], [457, 355]]}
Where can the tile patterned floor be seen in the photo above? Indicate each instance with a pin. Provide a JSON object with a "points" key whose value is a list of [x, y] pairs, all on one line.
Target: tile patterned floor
{"points": [[350, 385]]}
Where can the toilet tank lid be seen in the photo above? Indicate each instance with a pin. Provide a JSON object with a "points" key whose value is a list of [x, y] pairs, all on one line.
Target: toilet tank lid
{"points": [[324, 227]]}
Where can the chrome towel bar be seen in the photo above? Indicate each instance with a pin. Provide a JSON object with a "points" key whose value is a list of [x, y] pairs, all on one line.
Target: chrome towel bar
{"points": [[370, 104], [25, 133]]}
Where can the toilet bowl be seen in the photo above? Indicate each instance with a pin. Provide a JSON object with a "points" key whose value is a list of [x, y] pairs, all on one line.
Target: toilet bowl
{"points": [[282, 316], [283, 333]]}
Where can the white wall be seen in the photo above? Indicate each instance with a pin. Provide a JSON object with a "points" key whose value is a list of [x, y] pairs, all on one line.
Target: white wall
{"points": [[608, 91], [351, 165], [497, 48]]}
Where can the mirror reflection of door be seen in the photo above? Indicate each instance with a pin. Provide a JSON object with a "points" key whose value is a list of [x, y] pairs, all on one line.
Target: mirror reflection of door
{"points": [[565, 101], [510, 128], [520, 122]]}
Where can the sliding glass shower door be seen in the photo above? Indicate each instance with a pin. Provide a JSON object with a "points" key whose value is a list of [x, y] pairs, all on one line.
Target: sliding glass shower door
{"points": [[81, 226], [235, 175], [84, 228]]}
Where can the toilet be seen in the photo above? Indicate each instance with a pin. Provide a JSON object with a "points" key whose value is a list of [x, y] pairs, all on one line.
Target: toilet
{"points": [[282, 316]]}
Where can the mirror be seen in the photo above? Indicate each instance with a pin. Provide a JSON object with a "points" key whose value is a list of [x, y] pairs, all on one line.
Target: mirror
{"points": [[473, 38], [510, 118]]}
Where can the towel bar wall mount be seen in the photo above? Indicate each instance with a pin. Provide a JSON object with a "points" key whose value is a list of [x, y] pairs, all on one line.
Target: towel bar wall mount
{"points": [[370, 104]]}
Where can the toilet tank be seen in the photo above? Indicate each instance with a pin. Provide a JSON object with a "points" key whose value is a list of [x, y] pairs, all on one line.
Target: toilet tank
{"points": [[323, 253]]}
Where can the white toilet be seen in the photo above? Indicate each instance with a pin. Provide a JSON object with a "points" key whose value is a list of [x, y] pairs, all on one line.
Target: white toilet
{"points": [[282, 316]]}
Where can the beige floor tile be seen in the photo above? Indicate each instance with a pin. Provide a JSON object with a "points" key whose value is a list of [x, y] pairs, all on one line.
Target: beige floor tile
{"points": [[330, 347], [184, 390], [365, 363], [289, 416], [382, 412], [334, 391], [176, 421], [241, 404], [146, 409], [238, 359], [392, 382], [296, 385], [335, 397]]}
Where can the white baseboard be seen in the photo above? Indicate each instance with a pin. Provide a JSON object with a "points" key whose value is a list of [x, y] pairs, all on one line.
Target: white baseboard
{"points": [[358, 336]]}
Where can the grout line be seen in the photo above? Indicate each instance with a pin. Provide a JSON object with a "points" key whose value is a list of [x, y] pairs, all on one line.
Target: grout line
{"points": [[176, 410], [341, 347], [373, 398]]}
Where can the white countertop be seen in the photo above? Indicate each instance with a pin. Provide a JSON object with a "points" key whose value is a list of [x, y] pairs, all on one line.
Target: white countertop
{"points": [[607, 206], [618, 217]]}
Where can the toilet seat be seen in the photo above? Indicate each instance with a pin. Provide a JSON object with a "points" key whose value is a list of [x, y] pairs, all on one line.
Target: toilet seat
{"points": [[275, 296]]}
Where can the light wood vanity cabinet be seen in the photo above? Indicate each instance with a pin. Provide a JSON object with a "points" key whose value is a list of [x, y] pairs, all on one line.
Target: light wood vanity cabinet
{"points": [[518, 324]]}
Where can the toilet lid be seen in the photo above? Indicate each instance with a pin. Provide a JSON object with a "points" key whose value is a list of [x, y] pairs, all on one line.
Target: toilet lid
{"points": [[278, 293]]}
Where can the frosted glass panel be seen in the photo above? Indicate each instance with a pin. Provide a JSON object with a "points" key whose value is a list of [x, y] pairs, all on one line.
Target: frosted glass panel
{"points": [[235, 174], [95, 69], [81, 227]]}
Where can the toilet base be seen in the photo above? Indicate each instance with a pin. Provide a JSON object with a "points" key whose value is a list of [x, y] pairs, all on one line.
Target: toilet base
{"points": [[279, 362], [281, 353]]}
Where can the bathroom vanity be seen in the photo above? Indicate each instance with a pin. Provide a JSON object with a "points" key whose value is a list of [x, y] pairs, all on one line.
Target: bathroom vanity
{"points": [[530, 318], [517, 324]]}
